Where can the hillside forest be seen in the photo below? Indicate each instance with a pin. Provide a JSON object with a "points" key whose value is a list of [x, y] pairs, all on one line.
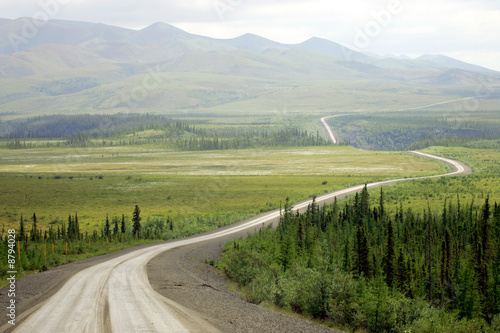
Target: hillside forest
{"points": [[360, 267]]}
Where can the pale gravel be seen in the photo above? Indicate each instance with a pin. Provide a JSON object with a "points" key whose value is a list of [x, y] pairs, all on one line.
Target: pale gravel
{"points": [[180, 275]]}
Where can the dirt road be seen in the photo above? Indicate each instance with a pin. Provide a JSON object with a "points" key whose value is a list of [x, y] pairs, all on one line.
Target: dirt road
{"points": [[166, 287]]}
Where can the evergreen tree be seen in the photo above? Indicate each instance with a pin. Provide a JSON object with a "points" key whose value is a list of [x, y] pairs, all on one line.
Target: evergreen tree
{"points": [[401, 273], [485, 230], [34, 232], [381, 208], [136, 219], [362, 265], [364, 203], [123, 224], [63, 230], [429, 251], [115, 228], [301, 235], [70, 227], [288, 251], [21, 228], [346, 265], [76, 227], [389, 259], [440, 256], [446, 265], [483, 271], [107, 230]]}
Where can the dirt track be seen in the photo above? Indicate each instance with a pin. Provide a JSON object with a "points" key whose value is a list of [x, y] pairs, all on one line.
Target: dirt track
{"points": [[192, 292]]}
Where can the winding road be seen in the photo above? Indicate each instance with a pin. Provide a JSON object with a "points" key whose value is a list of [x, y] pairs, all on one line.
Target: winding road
{"points": [[117, 295]]}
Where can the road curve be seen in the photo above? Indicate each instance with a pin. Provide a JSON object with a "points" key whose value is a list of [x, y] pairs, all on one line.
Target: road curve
{"points": [[329, 131], [116, 295]]}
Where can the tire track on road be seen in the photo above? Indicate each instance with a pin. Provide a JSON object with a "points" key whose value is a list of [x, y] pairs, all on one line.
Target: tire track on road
{"points": [[116, 295]]}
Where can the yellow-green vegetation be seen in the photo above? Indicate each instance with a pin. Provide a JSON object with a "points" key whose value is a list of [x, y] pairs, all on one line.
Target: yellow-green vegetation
{"points": [[44, 254], [94, 182], [475, 187]]}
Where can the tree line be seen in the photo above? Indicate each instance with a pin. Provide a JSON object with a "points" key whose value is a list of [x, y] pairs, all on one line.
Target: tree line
{"points": [[43, 247], [89, 126], [361, 267], [409, 131], [63, 241], [120, 130], [66, 86]]}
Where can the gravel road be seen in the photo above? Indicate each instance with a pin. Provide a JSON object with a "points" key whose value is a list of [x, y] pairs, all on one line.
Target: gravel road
{"points": [[159, 288]]}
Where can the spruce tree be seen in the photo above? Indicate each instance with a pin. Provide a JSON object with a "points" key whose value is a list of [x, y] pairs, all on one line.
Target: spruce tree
{"points": [[389, 259], [346, 264], [136, 219], [362, 265], [115, 228], [123, 224], [21, 228], [364, 209], [381, 203], [483, 264], [34, 233], [446, 265], [70, 227], [107, 227], [485, 230], [429, 251], [76, 227], [401, 273]]}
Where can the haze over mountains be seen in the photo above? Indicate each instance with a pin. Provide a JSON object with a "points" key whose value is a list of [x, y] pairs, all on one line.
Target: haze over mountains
{"points": [[97, 63]]}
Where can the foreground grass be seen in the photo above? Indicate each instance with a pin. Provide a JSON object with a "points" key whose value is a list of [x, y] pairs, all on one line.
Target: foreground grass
{"points": [[95, 182]]}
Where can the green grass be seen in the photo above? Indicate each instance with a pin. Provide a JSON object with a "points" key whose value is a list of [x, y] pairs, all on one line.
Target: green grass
{"points": [[483, 182], [94, 182]]}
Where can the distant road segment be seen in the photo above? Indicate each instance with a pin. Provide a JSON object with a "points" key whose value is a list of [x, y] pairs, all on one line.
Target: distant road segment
{"points": [[116, 295]]}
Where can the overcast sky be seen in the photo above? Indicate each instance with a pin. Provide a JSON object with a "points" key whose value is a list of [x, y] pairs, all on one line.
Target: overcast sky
{"points": [[468, 30]]}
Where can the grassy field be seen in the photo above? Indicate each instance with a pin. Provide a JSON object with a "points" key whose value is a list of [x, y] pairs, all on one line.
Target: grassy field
{"points": [[483, 182], [94, 182]]}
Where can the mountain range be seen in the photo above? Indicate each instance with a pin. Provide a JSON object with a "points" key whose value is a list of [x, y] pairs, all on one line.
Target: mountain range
{"points": [[92, 65]]}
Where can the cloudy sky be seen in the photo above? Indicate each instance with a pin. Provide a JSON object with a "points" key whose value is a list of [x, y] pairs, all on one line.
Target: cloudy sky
{"points": [[468, 30]]}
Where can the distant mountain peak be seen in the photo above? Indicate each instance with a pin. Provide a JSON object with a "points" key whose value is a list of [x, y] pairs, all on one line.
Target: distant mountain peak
{"points": [[326, 46], [250, 35], [253, 37], [163, 27], [251, 42], [158, 32], [317, 39]]}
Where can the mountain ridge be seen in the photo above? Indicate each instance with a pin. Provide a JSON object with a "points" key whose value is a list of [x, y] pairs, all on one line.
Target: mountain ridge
{"points": [[189, 71], [77, 32]]}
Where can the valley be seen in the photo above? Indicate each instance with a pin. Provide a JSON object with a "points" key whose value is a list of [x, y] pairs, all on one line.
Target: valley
{"points": [[233, 180]]}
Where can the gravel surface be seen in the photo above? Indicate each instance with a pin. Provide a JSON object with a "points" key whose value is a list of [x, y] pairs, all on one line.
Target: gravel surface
{"points": [[182, 276], [34, 289]]}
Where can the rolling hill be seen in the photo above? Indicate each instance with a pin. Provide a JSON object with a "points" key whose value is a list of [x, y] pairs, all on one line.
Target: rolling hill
{"points": [[164, 69]]}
